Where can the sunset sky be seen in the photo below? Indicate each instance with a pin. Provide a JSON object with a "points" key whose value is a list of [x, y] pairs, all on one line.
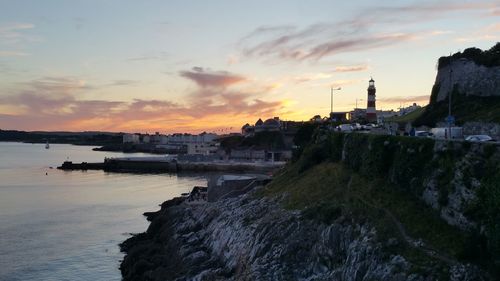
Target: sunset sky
{"points": [[192, 66]]}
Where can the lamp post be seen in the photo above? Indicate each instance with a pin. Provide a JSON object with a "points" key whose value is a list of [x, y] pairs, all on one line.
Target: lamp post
{"points": [[331, 100], [450, 118]]}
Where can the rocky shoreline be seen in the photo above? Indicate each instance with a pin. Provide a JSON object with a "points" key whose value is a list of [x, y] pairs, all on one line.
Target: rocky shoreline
{"points": [[254, 238]]}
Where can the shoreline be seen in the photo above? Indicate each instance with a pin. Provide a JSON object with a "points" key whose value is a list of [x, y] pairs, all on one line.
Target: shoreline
{"points": [[253, 238]]}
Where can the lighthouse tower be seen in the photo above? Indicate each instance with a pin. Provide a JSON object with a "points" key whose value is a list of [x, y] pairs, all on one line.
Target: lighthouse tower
{"points": [[371, 113]]}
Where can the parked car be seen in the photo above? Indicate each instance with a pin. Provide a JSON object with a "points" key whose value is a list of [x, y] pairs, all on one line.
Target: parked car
{"points": [[356, 126], [445, 133], [479, 138], [345, 128], [369, 126], [423, 134]]}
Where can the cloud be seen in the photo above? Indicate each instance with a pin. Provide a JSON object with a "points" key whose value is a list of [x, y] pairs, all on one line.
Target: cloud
{"points": [[351, 68], [11, 33], [487, 33], [58, 85], [405, 99], [233, 59], [206, 78], [56, 103], [307, 44], [476, 38], [123, 83], [13, 54], [360, 32], [161, 56]]}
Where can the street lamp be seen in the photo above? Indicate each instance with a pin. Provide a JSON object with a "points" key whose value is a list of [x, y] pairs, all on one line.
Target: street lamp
{"points": [[331, 99], [450, 118]]}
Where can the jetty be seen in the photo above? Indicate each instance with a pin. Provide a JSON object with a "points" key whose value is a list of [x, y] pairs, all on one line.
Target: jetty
{"points": [[170, 163]]}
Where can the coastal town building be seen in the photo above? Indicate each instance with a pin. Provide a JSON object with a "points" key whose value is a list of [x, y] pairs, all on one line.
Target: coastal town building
{"points": [[316, 119], [383, 115], [358, 114], [131, 138], [340, 116], [270, 125], [204, 148], [405, 110]]}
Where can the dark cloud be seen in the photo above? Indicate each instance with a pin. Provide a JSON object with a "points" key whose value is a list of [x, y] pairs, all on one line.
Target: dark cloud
{"points": [[206, 78]]}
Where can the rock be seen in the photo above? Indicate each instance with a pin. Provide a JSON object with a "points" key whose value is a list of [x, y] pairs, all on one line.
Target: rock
{"points": [[470, 78], [258, 240]]}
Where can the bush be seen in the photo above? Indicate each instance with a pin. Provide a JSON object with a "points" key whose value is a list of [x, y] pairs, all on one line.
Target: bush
{"points": [[487, 58]]}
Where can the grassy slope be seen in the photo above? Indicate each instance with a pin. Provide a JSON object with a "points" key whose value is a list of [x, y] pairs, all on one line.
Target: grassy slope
{"points": [[410, 117], [321, 192], [463, 108]]}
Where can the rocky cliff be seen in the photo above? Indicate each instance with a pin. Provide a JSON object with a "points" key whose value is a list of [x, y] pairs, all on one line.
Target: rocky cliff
{"points": [[251, 238], [473, 72], [472, 78], [469, 78], [348, 209]]}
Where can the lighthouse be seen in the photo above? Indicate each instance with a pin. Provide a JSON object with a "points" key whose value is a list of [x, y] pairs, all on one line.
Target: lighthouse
{"points": [[371, 113]]}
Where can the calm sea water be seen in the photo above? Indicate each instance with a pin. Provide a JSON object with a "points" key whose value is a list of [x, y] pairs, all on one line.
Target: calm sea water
{"points": [[67, 225]]}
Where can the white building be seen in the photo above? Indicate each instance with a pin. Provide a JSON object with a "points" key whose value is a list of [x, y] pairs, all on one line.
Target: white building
{"points": [[130, 138], [383, 115], [207, 148], [406, 110], [188, 138]]}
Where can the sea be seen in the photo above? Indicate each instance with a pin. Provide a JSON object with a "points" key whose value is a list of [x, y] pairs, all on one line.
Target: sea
{"points": [[66, 225]]}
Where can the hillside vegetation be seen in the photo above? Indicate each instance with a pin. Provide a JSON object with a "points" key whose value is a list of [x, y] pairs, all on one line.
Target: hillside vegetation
{"points": [[487, 58], [464, 108], [381, 179]]}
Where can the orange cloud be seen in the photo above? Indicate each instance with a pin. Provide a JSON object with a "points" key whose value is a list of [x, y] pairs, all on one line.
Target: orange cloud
{"points": [[396, 101], [55, 103]]}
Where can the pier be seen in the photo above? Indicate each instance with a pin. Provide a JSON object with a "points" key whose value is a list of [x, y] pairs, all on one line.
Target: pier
{"points": [[170, 164]]}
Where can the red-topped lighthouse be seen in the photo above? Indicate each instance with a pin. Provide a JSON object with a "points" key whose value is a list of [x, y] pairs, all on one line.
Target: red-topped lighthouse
{"points": [[371, 113]]}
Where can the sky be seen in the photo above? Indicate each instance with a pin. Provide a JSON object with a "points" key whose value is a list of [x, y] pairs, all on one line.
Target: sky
{"points": [[194, 66]]}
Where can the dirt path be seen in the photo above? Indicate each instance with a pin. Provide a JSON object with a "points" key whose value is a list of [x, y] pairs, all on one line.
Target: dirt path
{"points": [[414, 243]]}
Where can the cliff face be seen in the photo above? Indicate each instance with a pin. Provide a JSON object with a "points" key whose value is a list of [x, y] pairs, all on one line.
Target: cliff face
{"points": [[473, 79], [469, 78], [354, 212], [247, 238]]}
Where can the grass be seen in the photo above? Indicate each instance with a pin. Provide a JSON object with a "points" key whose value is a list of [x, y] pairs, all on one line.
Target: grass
{"points": [[321, 193], [410, 117], [464, 108]]}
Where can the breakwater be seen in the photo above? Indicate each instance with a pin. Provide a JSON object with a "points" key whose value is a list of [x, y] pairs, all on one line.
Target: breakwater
{"points": [[151, 164]]}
